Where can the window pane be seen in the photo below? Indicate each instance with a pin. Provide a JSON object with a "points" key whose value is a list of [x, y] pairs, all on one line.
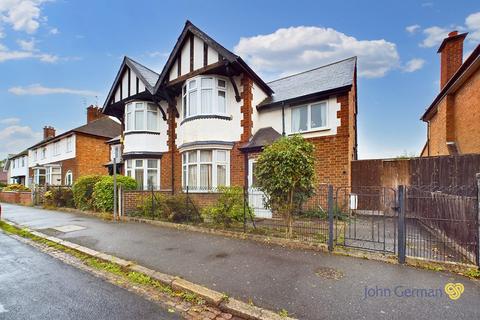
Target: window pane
{"points": [[318, 115], [192, 103], [205, 156], [207, 82], [185, 106], [152, 164], [152, 178], [139, 163], [221, 175], [139, 177], [184, 176], [222, 107], [192, 84], [206, 101], [221, 156], [139, 125], [151, 107], [129, 163], [139, 106], [192, 156], [299, 119], [254, 179], [192, 176], [152, 117], [221, 83], [205, 176]]}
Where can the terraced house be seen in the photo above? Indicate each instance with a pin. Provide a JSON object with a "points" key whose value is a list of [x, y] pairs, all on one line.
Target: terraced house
{"points": [[61, 159], [201, 121]]}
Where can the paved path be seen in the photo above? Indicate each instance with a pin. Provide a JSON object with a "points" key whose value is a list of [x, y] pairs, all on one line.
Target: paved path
{"points": [[270, 276], [34, 285]]}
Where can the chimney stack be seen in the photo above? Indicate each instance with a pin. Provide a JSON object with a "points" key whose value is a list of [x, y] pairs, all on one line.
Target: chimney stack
{"points": [[451, 56], [48, 132], [94, 113]]}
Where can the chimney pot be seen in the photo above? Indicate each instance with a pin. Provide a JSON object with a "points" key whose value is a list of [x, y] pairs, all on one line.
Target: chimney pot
{"points": [[48, 132], [453, 33], [94, 113], [451, 56]]}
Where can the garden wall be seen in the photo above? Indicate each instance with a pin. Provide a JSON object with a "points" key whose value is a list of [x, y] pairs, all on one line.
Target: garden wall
{"points": [[17, 197]]}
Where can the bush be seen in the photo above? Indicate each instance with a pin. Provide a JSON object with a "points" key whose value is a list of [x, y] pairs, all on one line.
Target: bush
{"points": [[229, 207], [59, 197], [103, 191], [175, 208], [2, 185], [16, 187], [83, 191]]}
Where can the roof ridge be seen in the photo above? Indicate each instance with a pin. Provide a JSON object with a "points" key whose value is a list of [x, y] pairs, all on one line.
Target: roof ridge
{"points": [[313, 69], [135, 61]]}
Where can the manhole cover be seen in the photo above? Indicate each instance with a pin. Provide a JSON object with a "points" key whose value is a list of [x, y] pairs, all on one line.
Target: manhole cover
{"points": [[329, 273], [69, 228]]}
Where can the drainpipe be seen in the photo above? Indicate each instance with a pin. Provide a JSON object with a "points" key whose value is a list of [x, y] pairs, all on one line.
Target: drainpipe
{"points": [[172, 143], [283, 119]]}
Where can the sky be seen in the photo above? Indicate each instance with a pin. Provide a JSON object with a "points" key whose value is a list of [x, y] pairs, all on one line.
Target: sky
{"points": [[59, 56]]}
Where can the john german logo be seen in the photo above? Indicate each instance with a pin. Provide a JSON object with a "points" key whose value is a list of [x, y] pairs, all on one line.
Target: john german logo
{"points": [[451, 290]]}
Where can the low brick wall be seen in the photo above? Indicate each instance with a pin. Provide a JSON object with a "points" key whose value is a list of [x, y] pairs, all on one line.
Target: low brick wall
{"points": [[24, 198]]}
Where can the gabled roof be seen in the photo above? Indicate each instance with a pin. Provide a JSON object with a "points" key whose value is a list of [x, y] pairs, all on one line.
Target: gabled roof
{"points": [[472, 62], [114, 140], [145, 74], [104, 127], [263, 137], [337, 75], [226, 54]]}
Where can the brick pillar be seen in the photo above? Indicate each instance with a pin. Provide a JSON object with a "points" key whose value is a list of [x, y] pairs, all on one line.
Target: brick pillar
{"points": [[172, 158], [246, 108]]}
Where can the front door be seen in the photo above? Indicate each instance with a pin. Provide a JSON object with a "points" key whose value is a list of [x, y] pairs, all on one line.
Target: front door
{"points": [[256, 198]]}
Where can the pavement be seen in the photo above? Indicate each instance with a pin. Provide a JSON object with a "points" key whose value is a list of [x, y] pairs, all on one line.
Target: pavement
{"points": [[310, 285], [34, 285]]}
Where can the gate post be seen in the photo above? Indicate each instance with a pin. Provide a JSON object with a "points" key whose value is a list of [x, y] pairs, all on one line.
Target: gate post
{"points": [[478, 220], [330, 217], [401, 225]]}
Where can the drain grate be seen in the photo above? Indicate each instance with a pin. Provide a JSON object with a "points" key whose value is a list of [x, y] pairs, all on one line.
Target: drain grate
{"points": [[329, 273]]}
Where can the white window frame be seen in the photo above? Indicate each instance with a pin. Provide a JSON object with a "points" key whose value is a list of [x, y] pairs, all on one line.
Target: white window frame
{"points": [[35, 155], [215, 162], [69, 178], [130, 167], [49, 175], [23, 162], [187, 89], [131, 115], [44, 153], [56, 148], [37, 175], [309, 117], [69, 144]]}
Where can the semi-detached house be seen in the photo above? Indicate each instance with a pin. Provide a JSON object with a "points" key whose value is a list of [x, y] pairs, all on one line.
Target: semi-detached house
{"points": [[202, 121]]}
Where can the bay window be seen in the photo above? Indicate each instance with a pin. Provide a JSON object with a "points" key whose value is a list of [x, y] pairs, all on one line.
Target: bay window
{"points": [[142, 116], [145, 171], [204, 95], [309, 117], [205, 169]]}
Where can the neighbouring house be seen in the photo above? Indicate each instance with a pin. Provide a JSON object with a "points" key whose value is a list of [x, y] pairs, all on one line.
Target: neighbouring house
{"points": [[61, 159], [115, 155], [201, 121], [16, 167], [453, 117], [3, 173]]}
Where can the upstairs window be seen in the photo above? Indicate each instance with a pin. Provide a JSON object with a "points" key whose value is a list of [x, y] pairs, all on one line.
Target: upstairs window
{"points": [[142, 116], [56, 148], [309, 117], [44, 153], [204, 95], [69, 144]]}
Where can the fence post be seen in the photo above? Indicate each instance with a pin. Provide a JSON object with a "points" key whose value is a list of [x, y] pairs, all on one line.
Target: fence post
{"points": [[153, 203], [115, 189], [245, 194], [401, 225], [330, 218], [478, 219]]}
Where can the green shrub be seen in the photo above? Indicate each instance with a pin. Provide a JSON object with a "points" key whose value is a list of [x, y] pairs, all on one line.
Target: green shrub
{"points": [[2, 185], [83, 191], [152, 207], [103, 191], [175, 208], [16, 187], [59, 197], [228, 208], [323, 214]]}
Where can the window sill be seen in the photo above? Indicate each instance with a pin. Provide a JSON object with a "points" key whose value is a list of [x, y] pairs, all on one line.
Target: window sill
{"points": [[311, 131], [141, 132], [206, 116]]}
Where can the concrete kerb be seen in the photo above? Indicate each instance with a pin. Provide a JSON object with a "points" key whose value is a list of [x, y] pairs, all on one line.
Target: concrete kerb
{"points": [[213, 297]]}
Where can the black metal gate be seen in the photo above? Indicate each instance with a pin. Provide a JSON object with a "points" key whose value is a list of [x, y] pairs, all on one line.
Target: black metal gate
{"points": [[367, 218]]}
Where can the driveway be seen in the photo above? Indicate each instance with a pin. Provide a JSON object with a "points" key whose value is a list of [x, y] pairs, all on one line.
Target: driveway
{"points": [[310, 285]]}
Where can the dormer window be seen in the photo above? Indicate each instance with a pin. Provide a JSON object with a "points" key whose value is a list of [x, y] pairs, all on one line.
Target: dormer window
{"points": [[204, 95], [142, 116]]}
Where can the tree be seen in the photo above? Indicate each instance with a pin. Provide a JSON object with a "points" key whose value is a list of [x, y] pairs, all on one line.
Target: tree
{"points": [[285, 173]]}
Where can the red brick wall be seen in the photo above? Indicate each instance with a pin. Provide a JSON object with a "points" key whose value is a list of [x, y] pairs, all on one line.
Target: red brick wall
{"points": [[16, 197], [92, 153], [451, 58]]}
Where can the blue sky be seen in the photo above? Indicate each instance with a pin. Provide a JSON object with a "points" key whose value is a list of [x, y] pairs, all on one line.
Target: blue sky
{"points": [[57, 57]]}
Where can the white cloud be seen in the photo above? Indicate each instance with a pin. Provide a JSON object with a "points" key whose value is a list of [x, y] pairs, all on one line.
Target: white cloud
{"points": [[54, 31], [37, 89], [9, 121], [413, 28], [434, 36], [16, 138], [21, 15], [294, 49], [27, 45], [414, 65], [6, 55], [473, 24]]}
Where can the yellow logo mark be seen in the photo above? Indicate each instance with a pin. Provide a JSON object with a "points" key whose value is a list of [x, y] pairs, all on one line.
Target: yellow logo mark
{"points": [[454, 290]]}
